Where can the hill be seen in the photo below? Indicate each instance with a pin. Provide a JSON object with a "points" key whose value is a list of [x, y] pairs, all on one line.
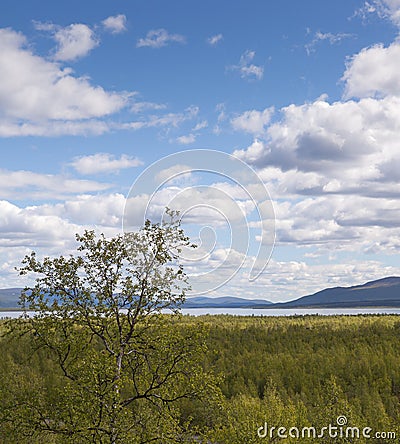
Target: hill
{"points": [[380, 293], [9, 297]]}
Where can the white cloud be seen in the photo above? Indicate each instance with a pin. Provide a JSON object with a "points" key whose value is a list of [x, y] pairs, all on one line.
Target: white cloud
{"points": [[327, 36], [384, 9], [221, 109], [191, 138], [74, 41], [54, 128], [219, 203], [115, 23], [253, 153], [373, 72], [27, 184], [32, 87], [175, 174], [139, 107], [352, 139], [333, 168], [104, 163], [50, 229], [201, 125], [286, 280], [37, 97], [253, 121], [216, 204], [44, 26], [282, 280], [329, 201], [390, 8], [22, 227], [169, 120], [157, 38], [246, 68], [186, 140], [288, 184], [334, 224], [214, 39], [102, 210]]}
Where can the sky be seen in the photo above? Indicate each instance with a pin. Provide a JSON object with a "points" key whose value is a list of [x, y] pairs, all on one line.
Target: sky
{"points": [[104, 107]]}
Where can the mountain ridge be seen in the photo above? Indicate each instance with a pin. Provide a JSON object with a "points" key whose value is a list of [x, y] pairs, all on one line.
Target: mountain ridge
{"points": [[384, 292]]}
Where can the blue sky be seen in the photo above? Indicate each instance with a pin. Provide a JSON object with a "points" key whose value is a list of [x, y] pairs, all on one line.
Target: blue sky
{"points": [[307, 94]]}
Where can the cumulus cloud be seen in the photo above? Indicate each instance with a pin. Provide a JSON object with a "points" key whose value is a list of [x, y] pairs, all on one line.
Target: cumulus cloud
{"points": [[23, 227], [28, 184], [286, 280], [332, 167], [283, 280], [40, 98], [103, 163], [157, 38], [253, 121], [34, 91], [182, 189], [115, 23], [348, 138], [337, 224], [373, 72], [50, 229], [247, 69], [74, 41], [101, 210], [202, 206]]}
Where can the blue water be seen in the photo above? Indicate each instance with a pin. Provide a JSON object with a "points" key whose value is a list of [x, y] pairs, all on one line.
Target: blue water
{"points": [[290, 311], [266, 312]]}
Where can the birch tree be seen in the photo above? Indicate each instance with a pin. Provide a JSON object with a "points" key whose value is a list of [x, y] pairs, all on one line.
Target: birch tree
{"points": [[124, 365]]}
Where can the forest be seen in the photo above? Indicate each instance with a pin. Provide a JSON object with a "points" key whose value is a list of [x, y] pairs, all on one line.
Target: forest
{"points": [[301, 371], [102, 355]]}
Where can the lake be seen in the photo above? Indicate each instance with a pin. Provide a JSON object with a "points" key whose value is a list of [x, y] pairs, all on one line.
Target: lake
{"points": [[267, 312], [290, 311]]}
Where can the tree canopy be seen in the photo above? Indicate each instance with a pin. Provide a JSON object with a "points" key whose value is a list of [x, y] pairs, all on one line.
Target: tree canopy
{"points": [[97, 316]]}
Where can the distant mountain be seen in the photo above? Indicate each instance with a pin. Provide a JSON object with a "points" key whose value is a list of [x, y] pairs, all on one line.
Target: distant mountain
{"points": [[223, 302], [380, 293], [9, 297]]}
